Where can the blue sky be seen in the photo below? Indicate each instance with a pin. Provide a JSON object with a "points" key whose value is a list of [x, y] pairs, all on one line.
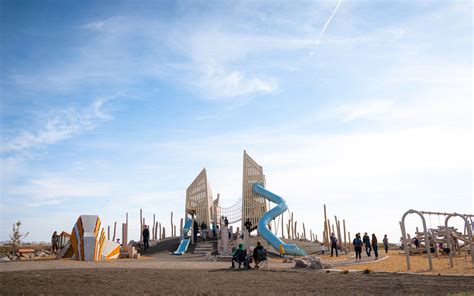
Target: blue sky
{"points": [[112, 106]]}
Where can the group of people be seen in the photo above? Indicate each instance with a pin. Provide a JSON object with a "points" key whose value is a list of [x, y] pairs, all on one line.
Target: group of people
{"points": [[358, 243], [241, 257], [371, 244]]}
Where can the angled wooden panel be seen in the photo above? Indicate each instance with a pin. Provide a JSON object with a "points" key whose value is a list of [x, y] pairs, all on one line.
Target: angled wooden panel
{"points": [[253, 205]]}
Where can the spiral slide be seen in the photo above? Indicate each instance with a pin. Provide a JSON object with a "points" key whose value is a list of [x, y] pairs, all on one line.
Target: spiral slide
{"points": [[280, 208]]}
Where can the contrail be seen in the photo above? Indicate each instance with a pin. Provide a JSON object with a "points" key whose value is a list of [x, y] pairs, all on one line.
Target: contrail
{"points": [[326, 24]]}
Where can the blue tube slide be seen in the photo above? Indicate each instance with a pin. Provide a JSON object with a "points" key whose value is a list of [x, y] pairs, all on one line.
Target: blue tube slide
{"points": [[280, 208]]}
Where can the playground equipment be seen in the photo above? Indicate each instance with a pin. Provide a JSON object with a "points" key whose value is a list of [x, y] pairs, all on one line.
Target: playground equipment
{"points": [[442, 234], [86, 244], [186, 238], [273, 240], [252, 206]]}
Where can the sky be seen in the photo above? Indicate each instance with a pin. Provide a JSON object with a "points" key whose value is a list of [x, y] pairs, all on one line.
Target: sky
{"points": [[108, 107]]}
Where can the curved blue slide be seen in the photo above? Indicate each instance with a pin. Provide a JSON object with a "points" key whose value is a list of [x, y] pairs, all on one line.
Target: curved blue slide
{"points": [[280, 208], [183, 246]]}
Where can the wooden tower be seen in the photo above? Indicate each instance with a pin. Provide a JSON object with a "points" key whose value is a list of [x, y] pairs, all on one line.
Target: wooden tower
{"points": [[253, 206], [199, 199]]}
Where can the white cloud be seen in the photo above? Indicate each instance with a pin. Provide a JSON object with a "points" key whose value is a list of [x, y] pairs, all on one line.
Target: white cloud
{"points": [[62, 125], [221, 84], [53, 190]]}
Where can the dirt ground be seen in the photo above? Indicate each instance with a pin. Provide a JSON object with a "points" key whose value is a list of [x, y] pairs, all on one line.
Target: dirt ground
{"points": [[225, 281], [191, 274]]}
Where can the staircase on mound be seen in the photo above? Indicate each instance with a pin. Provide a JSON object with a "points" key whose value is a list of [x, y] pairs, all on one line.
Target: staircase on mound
{"points": [[204, 247]]}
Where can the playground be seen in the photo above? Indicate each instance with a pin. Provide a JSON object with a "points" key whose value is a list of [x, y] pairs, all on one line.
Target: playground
{"points": [[198, 253]]}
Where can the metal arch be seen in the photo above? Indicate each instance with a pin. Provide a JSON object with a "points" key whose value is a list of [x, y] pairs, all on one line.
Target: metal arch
{"points": [[427, 242], [469, 232]]}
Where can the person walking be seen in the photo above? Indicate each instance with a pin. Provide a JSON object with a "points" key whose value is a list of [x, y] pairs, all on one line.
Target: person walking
{"points": [[357, 243], [375, 246], [146, 237], [385, 243], [333, 244], [55, 242], [366, 241]]}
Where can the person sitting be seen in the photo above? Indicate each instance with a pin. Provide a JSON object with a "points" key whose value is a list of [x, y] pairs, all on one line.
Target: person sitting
{"points": [[259, 254], [240, 256]]}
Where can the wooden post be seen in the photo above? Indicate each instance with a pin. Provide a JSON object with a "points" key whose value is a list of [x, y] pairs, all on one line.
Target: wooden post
{"points": [[115, 229], [161, 237], [329, 233], [125, 231], [153, 228], [295, 229], [292, 227], [344, 228], [326, 230], [172, 234], [164, 233], [304, 232], [156, 231], [181, 227], [338, 232], [174, 230], [141, 225], [108, 232], [288, 229], [282, 228]]}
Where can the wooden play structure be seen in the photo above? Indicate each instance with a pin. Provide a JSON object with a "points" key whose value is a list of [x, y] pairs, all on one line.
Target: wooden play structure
{"points": [[251, 206], [442, 235], [88, 242]]}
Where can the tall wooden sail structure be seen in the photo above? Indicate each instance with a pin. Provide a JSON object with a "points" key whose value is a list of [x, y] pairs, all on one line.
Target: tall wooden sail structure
{"points": [[199, 199], [253, 205]]}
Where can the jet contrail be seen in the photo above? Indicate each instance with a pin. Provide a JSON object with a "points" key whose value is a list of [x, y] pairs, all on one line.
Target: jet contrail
{"points": [[326, 24]]}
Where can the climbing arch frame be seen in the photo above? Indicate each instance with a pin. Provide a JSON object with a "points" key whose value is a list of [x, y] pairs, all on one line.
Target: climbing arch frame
{"points": [[253, 205], [469, 233], [199, 199], [404, 235]]}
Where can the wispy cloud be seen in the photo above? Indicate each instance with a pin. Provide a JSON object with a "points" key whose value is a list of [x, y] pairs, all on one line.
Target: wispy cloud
{"points": [[327, 24], [49, 190], [62, 125]]}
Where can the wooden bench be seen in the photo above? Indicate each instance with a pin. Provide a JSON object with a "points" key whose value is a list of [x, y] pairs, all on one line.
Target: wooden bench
{"points": [[25, 251]]}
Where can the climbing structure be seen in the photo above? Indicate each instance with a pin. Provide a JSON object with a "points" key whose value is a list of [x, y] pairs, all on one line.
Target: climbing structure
{"points": [[86, 244], [253, 205], [199, 199]]}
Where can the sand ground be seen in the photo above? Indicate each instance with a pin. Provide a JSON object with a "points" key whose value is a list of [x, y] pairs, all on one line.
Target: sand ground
{"points": [[191, 274]]}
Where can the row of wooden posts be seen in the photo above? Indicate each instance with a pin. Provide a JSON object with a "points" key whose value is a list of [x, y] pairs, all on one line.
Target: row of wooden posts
{"points": [[156, 231]]}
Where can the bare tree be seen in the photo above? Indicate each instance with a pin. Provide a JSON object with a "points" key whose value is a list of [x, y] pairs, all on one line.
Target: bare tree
{"points": [[16, 236]]}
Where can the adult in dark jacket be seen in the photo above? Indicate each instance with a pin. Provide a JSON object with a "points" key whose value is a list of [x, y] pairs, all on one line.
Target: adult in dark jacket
{"points": [[259, 254], [333, 244], [366, 241], [146, 237], [375, 246], [357, 243], [385, 243]]}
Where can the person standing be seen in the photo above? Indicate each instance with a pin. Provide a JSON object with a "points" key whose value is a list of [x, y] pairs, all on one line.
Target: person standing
{"points": [[375, 246], [55, 242], [366, 241], [248, 225], [333, 244], [203, 230], [357, 243], [146, 237], [385, 243], [195, 231]]}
